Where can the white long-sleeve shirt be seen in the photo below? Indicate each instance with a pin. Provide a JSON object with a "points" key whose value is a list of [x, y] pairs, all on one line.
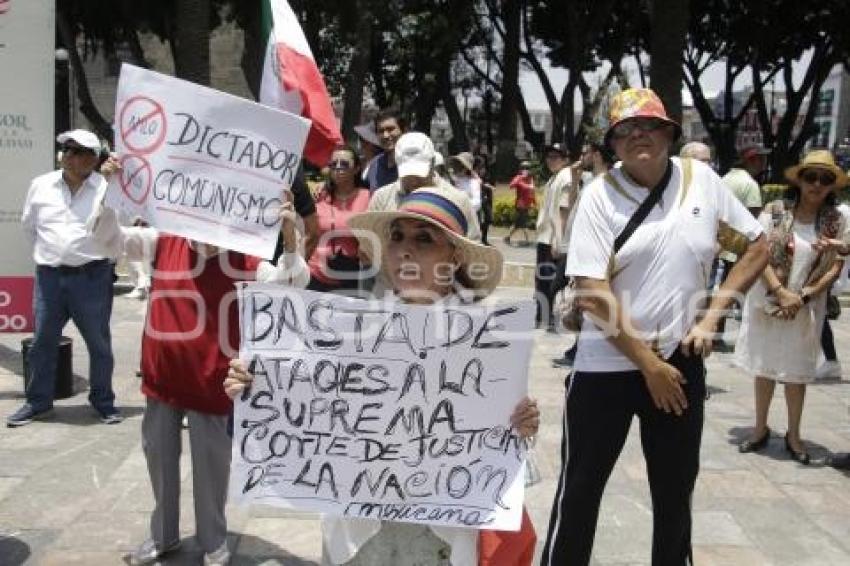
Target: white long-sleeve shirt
{"points": [[69, 229], [472, 187]]}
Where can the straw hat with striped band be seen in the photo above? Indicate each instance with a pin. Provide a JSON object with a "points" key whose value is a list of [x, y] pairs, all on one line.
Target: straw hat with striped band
{"points": [[440, 207]]}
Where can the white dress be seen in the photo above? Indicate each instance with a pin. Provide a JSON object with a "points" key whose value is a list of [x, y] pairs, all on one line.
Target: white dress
{"points": [[784, 350]]}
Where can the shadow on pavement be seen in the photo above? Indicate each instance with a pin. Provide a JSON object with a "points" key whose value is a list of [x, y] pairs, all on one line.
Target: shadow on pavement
{"points": [[262, 552], [84, 415], [775, 449], [713, 390], [11, 360], [13, 551], [266, 553]]}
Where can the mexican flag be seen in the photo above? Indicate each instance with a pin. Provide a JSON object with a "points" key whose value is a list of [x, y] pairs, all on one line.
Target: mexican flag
{"points": [[291, 80]]}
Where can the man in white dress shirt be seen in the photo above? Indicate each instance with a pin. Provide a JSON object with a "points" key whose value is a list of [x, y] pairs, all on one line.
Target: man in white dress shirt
{"points": [[74, 251]]}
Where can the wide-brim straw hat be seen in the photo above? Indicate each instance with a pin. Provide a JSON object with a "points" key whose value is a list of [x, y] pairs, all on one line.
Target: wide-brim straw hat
{"points": [[465, 159], [638, 103], [443, 209], [818, 159]]}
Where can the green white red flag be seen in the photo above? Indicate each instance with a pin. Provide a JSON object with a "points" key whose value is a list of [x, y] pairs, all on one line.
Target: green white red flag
{"points": [[291, 80]]}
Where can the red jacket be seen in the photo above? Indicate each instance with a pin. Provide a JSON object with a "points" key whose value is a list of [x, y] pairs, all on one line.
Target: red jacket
{"points": [[182, 359]]}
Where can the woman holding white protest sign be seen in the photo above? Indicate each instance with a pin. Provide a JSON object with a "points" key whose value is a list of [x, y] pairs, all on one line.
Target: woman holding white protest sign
{"points": [[183, 365], [191, 329], [428, 259]]}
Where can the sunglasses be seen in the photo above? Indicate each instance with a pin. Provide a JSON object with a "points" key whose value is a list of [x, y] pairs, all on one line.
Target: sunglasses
{"points": [[823, 178], [340, 164], [625, 129], [76, 150]]}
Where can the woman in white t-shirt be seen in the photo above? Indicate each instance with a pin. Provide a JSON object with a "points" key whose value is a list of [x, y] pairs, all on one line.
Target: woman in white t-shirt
{"points": [[783, 315]]}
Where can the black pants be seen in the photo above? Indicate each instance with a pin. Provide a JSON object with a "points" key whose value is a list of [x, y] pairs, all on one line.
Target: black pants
{"points": [[827, 342], [559, 283], [485, 230], [544, 277], [599, 412], [723, 266]]}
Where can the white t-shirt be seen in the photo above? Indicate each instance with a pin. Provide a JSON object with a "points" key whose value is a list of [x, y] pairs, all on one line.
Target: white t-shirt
{"points": [[661, 273], [472, 187], [556, 195]]}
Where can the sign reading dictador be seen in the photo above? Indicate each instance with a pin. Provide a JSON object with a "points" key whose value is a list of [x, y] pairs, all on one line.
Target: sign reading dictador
{"points": [[201, 163], [382, 410]]}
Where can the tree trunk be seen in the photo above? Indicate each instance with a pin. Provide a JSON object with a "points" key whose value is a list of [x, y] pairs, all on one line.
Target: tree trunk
{"points": [[460, 142], [359, 68], [788, 147], [505, 163], [253, 49], [568, 134], [191, 51], [724, 141], [376, 69], [125, 13], [425, 104], [669, 31], [532, 136], [87, 106]]}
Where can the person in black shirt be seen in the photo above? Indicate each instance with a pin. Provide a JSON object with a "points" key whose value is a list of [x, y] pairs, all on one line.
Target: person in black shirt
{"points": [[305, 207], [485, 214]]}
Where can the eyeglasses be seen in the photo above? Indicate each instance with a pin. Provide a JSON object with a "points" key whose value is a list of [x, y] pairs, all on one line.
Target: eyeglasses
{"points": [[625, 129], [340, 164], [823, 178], [76, 150]]}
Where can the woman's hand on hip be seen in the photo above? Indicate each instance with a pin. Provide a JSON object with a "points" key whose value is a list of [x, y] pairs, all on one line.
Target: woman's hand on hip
{"points": [[665, 387]]}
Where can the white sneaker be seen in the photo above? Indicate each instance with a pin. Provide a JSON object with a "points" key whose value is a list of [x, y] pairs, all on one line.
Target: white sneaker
{"points": [[220, 557], [149, 553], [140, 293], [829, 370]]}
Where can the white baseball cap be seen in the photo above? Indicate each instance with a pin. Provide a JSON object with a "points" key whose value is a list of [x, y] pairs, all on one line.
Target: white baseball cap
{"points": [[414, 155], [83, 138]]}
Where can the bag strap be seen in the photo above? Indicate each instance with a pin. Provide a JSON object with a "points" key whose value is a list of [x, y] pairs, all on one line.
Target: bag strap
{"points": [[643, 210], [687, 175]]}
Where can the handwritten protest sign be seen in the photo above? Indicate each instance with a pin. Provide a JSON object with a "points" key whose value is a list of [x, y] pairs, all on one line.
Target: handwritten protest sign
{"points": [[201, 163], [382, 410]]}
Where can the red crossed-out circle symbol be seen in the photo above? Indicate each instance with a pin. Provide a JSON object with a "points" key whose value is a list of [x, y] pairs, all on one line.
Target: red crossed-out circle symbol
{"points": [[142, 124], [136, 178]]}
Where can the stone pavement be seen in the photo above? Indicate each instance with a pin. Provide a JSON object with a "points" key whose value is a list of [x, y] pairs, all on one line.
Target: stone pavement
{"points": [[73, 491]]}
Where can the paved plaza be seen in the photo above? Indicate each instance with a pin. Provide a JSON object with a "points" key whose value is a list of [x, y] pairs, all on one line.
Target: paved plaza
{"points": [[74, 491]]}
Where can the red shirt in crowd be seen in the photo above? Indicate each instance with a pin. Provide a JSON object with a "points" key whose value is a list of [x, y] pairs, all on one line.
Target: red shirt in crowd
{"points": [[523, 184], [183, 349]]}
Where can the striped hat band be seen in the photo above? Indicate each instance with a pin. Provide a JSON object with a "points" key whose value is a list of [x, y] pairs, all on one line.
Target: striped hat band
{"points": [[437, 208]]}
